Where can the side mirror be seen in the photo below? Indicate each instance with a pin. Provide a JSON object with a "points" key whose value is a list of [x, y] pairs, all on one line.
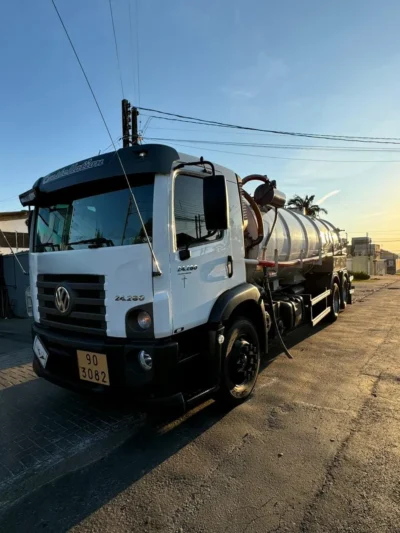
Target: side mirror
{"points": [[215, 203]]}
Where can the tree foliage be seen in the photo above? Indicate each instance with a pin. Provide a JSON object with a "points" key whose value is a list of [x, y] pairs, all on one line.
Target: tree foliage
{"points": [[306, 205]]}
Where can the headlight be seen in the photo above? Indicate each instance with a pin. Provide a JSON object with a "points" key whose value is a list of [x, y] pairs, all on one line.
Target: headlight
{"points": [[144, 320]]}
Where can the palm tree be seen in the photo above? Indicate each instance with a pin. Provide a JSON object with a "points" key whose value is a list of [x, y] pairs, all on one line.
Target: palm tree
{"points": [[306, 206]]}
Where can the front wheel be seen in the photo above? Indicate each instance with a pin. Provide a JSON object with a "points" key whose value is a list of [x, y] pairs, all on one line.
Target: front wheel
{"points": [[240, 363]]}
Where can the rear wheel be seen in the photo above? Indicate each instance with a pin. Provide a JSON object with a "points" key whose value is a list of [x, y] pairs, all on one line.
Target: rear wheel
{"points": [[240, 364], [335, 302], [345, 292]]}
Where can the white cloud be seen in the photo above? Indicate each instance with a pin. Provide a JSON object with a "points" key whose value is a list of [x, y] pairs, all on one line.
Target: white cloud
{"points": [[332, 193]]}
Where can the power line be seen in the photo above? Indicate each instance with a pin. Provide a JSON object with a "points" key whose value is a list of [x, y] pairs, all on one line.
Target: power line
{"points": [[112, 141], [199, 130], [7, 199], [137, 54], [375, 231], [110, 145], [146, 125], [283, 158], [282, 146], [131, 43], [347, 138], [116, 48]]}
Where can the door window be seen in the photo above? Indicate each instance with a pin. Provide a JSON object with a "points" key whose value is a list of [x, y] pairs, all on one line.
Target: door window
{"points": [[190, 226]]}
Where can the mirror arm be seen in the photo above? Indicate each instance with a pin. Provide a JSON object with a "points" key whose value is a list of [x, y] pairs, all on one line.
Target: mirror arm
{"points": [[196, 163]]}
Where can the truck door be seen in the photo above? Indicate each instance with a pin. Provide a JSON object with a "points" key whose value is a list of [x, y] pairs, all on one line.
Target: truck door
{"points": [[196, 282]]}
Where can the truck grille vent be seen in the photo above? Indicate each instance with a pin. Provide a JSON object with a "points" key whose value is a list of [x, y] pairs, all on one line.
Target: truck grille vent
{"points": [[88, 311]]}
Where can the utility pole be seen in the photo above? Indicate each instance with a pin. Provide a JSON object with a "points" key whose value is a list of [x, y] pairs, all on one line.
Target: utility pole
{"points": [[135, 134], [130, 133], [126, 123], [368, 257]]}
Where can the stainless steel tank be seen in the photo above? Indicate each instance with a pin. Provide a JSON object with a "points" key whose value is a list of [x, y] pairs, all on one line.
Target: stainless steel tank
{"points": [[296, 242]]}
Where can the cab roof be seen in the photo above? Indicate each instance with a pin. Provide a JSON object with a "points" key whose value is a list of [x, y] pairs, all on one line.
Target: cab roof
{"points": [[139, 159]]}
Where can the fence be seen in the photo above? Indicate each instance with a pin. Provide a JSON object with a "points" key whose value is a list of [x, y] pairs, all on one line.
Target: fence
{"points": [[13, 285]]}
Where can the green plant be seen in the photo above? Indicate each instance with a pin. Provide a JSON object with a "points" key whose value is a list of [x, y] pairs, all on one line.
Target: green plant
{"points": [[360, 276]]}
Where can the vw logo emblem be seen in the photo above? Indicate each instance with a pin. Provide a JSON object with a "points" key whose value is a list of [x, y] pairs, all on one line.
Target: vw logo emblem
{"points": [[62, 299]]}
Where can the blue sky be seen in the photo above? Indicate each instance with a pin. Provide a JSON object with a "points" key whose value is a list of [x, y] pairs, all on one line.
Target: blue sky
{"points": [[325, 67]]}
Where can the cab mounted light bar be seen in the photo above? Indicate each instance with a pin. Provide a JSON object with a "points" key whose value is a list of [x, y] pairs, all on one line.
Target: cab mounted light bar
{"points": [[28, 197]]}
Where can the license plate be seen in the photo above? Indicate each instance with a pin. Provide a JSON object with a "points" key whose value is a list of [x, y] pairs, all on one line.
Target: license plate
{"points": [[40, 351], [93, 367]]}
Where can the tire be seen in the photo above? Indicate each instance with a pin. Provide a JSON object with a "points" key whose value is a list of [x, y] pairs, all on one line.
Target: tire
{"points": [[334, 302], [345, 292], [240, 363]]}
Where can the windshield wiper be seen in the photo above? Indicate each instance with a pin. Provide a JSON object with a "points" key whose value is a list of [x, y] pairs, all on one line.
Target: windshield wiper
{"points": [[95, 242]]}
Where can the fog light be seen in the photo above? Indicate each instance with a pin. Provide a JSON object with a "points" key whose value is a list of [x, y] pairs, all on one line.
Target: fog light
{"points": [[144, 320], [145, 360]]}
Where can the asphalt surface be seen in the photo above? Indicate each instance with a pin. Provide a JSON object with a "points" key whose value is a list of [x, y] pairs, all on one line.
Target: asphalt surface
{"points": [[316, 449]]}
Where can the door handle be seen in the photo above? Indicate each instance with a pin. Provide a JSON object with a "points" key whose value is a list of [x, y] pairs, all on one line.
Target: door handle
{"points": [[229, 266]]}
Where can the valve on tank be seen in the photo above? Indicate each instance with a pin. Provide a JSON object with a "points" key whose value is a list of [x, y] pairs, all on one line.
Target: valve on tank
{"points": [[267, 194]]}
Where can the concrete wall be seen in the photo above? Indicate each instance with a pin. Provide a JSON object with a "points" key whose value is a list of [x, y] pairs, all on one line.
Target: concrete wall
{"points": [[379, 267], [368, 265]]}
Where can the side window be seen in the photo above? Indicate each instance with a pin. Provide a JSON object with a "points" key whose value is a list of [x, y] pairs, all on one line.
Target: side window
{"points": [[190, 224]]}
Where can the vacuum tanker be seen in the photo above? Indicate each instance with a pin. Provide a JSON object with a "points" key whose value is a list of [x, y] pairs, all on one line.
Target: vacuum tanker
{"points": [[155, 272]]}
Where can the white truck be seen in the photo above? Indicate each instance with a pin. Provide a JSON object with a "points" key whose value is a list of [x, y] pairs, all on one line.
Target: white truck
{"points": [[156, 272]]}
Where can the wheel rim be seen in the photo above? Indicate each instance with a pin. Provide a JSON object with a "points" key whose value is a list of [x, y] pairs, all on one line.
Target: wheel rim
{"points": [[243, 362], [336, 302]]}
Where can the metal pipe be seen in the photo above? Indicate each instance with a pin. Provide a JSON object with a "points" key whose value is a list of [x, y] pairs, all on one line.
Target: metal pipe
{"points": [[290, 263]]}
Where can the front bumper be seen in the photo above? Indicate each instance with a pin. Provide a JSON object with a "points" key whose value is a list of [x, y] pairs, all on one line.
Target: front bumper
{"points": [[125, 372]]}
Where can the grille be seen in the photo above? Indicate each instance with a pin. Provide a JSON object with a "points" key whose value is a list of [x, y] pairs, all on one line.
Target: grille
{"points": [[88, 306]]}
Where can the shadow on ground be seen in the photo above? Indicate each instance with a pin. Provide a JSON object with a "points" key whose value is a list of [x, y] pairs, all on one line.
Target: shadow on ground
{"points": [[70, 499]]}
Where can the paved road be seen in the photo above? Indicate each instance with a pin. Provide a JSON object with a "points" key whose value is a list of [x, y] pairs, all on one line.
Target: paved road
{"points": [[315, 450], [44, 430]]}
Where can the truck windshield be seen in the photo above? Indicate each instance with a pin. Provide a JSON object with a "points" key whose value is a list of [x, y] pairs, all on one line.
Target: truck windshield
{"points": [[106, 219]]}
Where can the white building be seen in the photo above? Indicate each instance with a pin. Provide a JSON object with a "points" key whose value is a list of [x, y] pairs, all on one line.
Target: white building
{"points": [[13, 232]]}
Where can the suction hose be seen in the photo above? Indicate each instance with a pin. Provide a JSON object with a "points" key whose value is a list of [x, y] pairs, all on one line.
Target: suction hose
{"points": [[257, 212], [271, 304], [269, 293], [254, 206], [264, 249]]}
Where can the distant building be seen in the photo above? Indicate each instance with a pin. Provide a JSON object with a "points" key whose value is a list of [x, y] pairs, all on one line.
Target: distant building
{"points": [[364, 246], [392, 261], [365, 256], [385, 254], [13, 232]]}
